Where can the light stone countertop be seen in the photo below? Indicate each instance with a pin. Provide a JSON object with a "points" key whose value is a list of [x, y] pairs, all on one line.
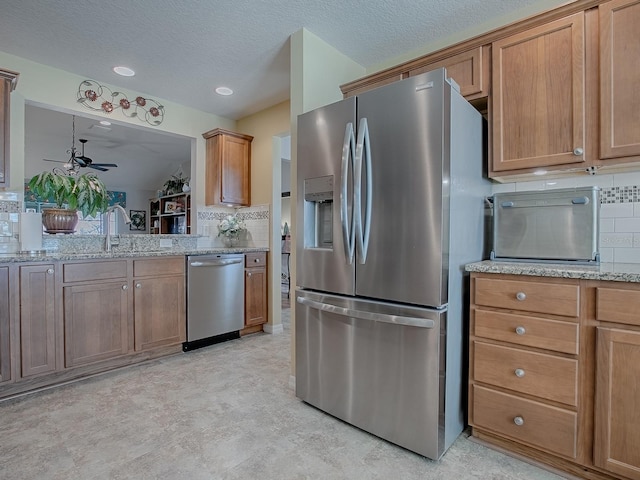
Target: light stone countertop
{"points": [[618, 272], [51, 256]]}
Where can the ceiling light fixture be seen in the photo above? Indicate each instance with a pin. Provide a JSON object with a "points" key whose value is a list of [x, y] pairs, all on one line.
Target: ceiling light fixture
{"points": [[105, 123], [224, 91], [100, 98], [124, 71]]}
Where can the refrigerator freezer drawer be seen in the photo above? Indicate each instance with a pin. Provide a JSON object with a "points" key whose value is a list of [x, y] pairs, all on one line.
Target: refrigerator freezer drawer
{"points": [[375, 365], [552, 225]]}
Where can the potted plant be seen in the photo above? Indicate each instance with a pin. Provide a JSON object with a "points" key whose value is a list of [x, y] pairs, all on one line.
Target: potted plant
{"points": [[85, 193], [175, 184]]}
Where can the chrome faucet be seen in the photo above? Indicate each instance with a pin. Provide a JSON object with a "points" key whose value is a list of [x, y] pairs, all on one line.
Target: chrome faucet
{"points": [[110, 210]]}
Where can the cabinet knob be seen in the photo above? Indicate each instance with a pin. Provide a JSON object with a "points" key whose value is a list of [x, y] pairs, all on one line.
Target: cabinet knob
{"points": [[138, 285], [520, 330], [519, 372], [257, 260], [518, 421], [578, 151], [49, 271], [125, 287], [521, 296], [248, 274]]}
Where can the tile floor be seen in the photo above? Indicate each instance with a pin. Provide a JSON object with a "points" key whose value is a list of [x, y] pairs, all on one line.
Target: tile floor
{"points": [[221, 412]]}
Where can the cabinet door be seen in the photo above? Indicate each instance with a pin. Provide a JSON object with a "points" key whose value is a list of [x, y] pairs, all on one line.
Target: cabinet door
{"points": [[95, 322], [8, 82], [470, 70], [619, 76], [617, 416], [538, 109], [159, 311], [37, 319], [255, 302], [5, 345]]}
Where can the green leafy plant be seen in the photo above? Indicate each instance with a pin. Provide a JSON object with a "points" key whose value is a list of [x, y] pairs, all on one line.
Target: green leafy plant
{"points": [[175, 184], [85, 193]]}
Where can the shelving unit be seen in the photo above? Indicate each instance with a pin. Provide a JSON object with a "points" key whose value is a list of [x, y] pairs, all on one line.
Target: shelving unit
{"points": [[170, 214]]}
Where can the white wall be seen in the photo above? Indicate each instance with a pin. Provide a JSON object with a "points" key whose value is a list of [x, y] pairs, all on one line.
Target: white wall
{"points": [[56, 89]]}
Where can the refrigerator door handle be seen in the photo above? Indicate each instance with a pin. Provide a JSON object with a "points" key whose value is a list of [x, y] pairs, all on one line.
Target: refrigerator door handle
{"points": [[375, 317], [348, 154], [363, 228]]}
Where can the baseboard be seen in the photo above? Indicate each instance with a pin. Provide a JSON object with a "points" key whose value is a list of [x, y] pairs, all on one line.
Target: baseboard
{"points": [[273, 329]]}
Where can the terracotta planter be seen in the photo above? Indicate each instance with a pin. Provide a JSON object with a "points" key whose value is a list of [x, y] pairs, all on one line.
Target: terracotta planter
{"points": [[59, 220]]}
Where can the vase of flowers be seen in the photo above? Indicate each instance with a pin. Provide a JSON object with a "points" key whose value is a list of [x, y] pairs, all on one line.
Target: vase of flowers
{"points": [[230, 229]]}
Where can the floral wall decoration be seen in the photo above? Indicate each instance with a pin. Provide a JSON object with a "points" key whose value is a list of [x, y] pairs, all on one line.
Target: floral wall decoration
{"points": [[101, 98]]}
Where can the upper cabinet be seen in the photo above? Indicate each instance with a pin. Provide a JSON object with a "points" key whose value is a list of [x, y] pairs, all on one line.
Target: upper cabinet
{"points": [[228, 168], [8, 80], [537, 103], [469, 69], [619, 77]]}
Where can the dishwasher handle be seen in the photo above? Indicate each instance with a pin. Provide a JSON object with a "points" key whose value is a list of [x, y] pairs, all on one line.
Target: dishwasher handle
{"points": [[216, 263], [376, 317]]}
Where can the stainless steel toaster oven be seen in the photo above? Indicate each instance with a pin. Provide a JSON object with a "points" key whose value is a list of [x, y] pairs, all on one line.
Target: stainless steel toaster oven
{"points": [[548, 226]]}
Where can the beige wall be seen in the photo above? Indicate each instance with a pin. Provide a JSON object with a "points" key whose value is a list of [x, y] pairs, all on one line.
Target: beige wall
{"points": [[266, 127], [56, 89]]}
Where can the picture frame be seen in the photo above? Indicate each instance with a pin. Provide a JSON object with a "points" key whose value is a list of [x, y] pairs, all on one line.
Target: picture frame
{"points": [[172, 207], [138, 219]]}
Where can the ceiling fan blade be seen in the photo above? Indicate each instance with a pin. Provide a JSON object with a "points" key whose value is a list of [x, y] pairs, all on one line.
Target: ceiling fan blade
{"points": [[59, 161], [104, 165], [82, 160], [96, 167]]}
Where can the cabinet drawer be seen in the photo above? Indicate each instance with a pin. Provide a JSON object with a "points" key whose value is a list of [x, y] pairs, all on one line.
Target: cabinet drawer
{"points": [[616, 305], [151, 267], [545, 426], [89, 272], [255, 259], [539, 374], [552, 298], [530, 331]]}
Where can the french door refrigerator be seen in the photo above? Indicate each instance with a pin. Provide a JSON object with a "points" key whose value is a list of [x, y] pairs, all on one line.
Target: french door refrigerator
{"points": [[390, 208]]}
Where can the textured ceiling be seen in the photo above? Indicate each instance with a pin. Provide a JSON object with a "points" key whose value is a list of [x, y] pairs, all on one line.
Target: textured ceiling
{"points": [[181, 50]]}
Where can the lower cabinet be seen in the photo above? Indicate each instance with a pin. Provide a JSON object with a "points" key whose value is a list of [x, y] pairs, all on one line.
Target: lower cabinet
{"points": [[5, 319], [554, 371], [255, 290], [95, 322], [37, 320], [159, 302]]}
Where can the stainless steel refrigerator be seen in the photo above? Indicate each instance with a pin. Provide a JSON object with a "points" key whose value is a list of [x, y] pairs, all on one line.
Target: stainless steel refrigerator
{"points": [[390, 208]]}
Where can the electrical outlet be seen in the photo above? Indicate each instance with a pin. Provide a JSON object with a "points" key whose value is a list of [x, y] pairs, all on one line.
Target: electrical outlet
{"points": [[166, 243]]}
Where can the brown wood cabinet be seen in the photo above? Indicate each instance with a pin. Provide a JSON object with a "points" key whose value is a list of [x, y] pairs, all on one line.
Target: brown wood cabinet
{"points": [[228, 168], [38, 351], [5, 341], [159, 302], [538, 103], [554, 371], [8, 81], [469, 69], [619, 77], [255, 290], [617, 388]]}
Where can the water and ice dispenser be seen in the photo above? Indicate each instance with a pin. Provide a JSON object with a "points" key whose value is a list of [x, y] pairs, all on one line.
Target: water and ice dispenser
{"points": [[318, 212]]}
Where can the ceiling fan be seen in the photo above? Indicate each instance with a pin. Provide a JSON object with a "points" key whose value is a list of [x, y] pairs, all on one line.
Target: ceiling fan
{"points": [[75, 162]]}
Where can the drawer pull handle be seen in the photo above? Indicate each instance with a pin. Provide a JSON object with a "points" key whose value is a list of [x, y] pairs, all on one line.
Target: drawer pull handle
{"points": [[520, 330], [519, 421], [257, 260], [519, 372], [521, 296]]}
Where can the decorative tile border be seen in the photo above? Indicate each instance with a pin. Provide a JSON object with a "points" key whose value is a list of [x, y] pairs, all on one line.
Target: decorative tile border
{"points": [[9, 206], [630, 194]]}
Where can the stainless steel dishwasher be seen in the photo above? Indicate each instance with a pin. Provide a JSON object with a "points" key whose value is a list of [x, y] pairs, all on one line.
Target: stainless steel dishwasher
{"points": [[215, 299]]}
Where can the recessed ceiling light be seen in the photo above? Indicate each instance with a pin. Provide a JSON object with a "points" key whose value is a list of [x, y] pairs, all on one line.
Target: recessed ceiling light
{"points": [[540, 172], [124, 71], [224, 91], [105, 123]]}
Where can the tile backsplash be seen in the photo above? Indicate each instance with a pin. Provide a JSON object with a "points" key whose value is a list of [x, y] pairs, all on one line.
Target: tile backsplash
{"points": [[619, 210]]}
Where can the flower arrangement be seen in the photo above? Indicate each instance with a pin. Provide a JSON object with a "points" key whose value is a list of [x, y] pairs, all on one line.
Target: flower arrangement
{"points": [[230, 228]]}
